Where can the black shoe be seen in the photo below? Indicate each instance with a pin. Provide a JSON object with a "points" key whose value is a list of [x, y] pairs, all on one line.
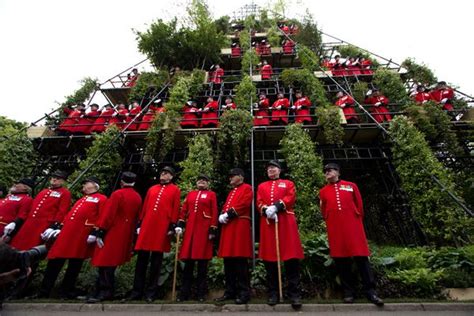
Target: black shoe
{"points": [[150, 299], [296, 303], [242, 300], [348, 300], [133, 297], [375, 299], [272, 300], [182, 298], [224, 297], [201, 299]]}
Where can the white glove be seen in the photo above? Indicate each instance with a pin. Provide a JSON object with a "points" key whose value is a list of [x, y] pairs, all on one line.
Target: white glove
{"points": [[343, 105], [223, 218], [55, 233], [138, 231], [100, 242], [91, 239], [224, 107], [444, 100], [298, 107], [9, 228], [271, 212], [255, 106], [45, 235], [293, 107], [205, 109], [278, 107], [378, 103], [368, 93], [178, 230]]}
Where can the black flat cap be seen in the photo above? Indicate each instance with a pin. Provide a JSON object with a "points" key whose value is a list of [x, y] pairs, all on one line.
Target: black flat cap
{"points": [[168, 169], [203, 176], [91, 179], [59, 174], [128, 177], [236, 172], [273, 163], [27, 181], [332, 165]]}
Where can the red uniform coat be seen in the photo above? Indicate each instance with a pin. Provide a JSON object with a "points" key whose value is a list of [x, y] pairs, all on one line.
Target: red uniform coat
{"points": [[102, 121], [439, 95], [160, 209], [91, 118], [302, 112], [230, 106], [341, 206], [199, 211], [236, 235], [217, 75], [83, 124], [48, 207], [77, 225], [260, 115], [379, 108], [190, 117], [268, 193], [235, 52], [209, 114], [422, 97], [266, 72], [119, 118], [288, 47], [131, 116], [146, 121], [346, 102], [338, 69], [119, 220], [365, 65], [14, 206], [282, 114], [70, 122]]}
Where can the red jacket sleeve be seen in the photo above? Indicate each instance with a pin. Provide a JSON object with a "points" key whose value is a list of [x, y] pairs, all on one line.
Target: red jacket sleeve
{"points": [[214, 211], [260, 204], [244, 202], [145, 203], [290, 198], [358, 200], [64, 206], [24, 207], [175, 205], [107, 216], [183, 214]]}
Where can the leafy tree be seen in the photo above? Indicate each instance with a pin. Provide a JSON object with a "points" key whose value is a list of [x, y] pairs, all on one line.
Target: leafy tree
{"points": [[359, 91], [273, 36], [309, 34], [390, 83], [443, 222], [419, 72], [107, 149], [305, 169], [200, 159], [250, 58], [222, 24], [17, 156], [245, 93], [244, 38], [330, 121], [309, 60]]}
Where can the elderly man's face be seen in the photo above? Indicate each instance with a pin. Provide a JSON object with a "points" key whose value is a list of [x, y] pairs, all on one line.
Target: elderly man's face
{"points": [[331, 175], [165, 177], [56, 182], [89, 188], [202, 184], [273, 172]]}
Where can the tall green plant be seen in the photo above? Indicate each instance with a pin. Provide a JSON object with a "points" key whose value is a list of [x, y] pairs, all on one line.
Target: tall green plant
{"points": [[245, 93], [359, 91], [250, 58], [305, 169], [309, 60], [106, 169], [443, 222], [419, 72], [390, 83], [330, 121], [309, 34], [147, 81], [200, 159]]}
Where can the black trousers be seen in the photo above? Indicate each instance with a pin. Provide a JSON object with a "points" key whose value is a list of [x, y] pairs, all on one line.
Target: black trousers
{"points": [[236, 272], [51, 273], [344, 269], [188, 276], [292, 272], [106, 282], [155, 258]]}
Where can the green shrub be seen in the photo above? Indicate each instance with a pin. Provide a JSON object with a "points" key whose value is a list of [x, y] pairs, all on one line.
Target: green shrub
{"points": [[330, 121], [309, 60], [391, 85], [419, 72], [411, 258], [420, 282], [245, 93], [145, 81]]}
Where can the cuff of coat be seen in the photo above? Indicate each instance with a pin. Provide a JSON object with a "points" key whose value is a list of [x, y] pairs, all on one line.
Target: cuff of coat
{"points": [[99, 233], [18, 222], [181, 224], [213, 230], [280, 206], [232, 213], [171, 227]]}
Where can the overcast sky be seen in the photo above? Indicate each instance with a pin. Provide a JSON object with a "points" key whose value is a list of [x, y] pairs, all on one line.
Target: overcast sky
{"points": [[48, 46]]}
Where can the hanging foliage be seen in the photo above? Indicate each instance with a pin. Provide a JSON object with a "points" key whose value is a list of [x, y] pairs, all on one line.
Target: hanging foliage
{"points": [[17, 156], [107, 168], [200, 160], [233, 136], [419, 73], [88, 86], [443, 222], [146, 82], [244, 37], [305, 80], [359, 90], [309, 60], [250, 58], [305, 169], [329, 120], [273, 36], [391, 85], [245, 93]]}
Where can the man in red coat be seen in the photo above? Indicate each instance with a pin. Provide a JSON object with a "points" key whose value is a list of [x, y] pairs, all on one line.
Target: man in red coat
{"points": [[114, 235], [302, 109], [217, 74], [342, 209], [346, 103], [275, 201], [135, 110], [444, 95], [199, 217], [69, 124], [93, 114], [73, 242], [288, 47], [421, 96], [379, 104], [235, 50], [235, 245], [260, 111], [47, 212], [102, 121], [266, 71], [210, 115], [14, 208], [190, 115], [280, 110], [158, 218], [229, 104]]}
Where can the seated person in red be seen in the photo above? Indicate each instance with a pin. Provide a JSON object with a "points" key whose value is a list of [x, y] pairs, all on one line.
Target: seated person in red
{"points": [[135, 110], [82, 127], [146, 120], [338, 67], [365, 65], [209, 113], [260, 111], [190, 115], [229, 104], [302, 109], [346, 103], [280, 110], [421, 96], [444, 95], [217, 74], [288, 47], [353, 67], [266, 71], [69, 124], [91, 116], [132, 78], [265, 48], [102, 121], [285, 28], [119, 116], [294, 29], [379, 104], [327, 64], [235, 50]]}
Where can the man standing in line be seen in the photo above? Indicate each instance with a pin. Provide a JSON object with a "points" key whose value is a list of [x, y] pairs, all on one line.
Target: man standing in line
{"points": [[114, 232], [275, 201], [158, 217], [14, 208], [342, 209], [236, 238]]}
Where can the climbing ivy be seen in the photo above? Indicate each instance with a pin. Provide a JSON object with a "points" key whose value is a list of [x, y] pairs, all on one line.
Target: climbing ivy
{"points": [[390, 83], [106, 169], [200, 159], [245, 93], [443, 222], [147, 81], [305, 169], [419, 73], [330, 121]]}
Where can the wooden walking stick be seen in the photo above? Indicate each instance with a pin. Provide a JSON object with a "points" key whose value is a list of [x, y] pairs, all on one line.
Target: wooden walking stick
{"points": [[173, 292], [277, 239]]}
